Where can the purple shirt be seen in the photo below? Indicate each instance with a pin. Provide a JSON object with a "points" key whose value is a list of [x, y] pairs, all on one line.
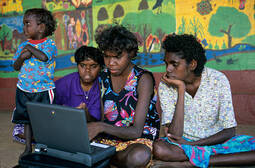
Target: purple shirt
{"points": [[70, 93]]}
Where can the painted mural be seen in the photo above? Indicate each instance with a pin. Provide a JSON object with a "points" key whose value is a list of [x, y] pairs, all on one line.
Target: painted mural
{"points": [[226, 28]]}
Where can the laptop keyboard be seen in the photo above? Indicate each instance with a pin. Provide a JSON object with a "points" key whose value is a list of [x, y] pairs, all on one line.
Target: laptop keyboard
{"points": [[95, 147]]}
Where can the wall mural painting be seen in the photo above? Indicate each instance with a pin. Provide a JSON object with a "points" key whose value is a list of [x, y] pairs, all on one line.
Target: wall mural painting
{"points": [[226, 28]]}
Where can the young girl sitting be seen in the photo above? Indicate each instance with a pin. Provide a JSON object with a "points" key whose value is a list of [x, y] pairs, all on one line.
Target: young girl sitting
{"points": [[131, 121], [197, 111]]}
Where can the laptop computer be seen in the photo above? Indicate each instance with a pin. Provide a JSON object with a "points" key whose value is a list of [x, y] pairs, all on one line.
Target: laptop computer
{"points": [[61, 132]]}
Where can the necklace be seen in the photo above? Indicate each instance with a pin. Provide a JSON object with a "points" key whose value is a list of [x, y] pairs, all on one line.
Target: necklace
{"points": [[86, 94]]}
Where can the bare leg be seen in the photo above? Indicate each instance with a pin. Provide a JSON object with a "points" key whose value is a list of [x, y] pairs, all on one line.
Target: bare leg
{"points": [[170, 156], [168, 152], [134, 156], [235, 159], [28, 136], [175, 156]]}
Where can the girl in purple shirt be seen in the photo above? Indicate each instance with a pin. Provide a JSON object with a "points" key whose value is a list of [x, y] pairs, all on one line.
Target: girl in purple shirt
{"points": [[81, 89]]}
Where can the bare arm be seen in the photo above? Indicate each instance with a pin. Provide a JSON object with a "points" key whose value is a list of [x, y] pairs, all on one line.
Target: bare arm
{"points": [[145, 91], [37, 53], [215, 139], [177, 124], [25, 54], [102, 110], [218, 138], [89, 117]]}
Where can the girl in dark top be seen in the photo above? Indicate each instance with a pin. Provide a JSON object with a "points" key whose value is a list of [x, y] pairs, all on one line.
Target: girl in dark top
{"points": [[131, 121]]}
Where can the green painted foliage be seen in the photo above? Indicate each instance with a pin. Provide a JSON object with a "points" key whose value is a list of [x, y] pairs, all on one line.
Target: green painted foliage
{"points": [[242, 61], [223, 45], [154, 20], [249, 40], [5, 33], [216, 47], [105, 2], [196, 27], [27, 4], [226, 16], [182, 27]]}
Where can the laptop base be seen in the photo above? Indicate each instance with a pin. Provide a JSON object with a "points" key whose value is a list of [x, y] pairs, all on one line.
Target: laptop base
{"points": [[35, 160], [82, 158]]}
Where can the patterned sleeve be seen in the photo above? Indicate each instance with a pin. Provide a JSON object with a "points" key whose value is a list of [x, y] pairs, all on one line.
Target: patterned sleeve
{"points": [[50, 49], [17, 54], [168, 98], [226, 113]]}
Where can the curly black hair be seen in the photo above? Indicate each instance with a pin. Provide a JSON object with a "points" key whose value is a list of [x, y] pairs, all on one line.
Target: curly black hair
{"points": [[43, 16], [86, 52], [117, 39], [187, 47]]}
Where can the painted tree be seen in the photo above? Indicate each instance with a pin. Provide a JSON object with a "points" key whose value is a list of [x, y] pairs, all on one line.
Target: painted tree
{"points": [[223, 45], [210, 46], [148, 23], [182, 27], [5, 34], [144, 30], [229, 21], [216, 47], [160, 34], [196, 28], [131, 27]]}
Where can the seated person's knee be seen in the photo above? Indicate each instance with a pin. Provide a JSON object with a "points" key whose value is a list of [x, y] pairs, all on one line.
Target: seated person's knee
{"points": [[157, 149], [167, 152], [140, 156]]}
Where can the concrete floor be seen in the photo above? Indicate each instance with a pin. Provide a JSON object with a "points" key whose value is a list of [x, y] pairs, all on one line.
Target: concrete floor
{"points": [[10, 150]]}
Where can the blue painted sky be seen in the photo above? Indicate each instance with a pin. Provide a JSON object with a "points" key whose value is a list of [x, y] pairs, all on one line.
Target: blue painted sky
{"points": [[13, 22]]}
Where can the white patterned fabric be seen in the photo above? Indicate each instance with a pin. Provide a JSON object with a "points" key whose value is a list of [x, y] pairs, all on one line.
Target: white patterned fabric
{"points": [[210, 111]]}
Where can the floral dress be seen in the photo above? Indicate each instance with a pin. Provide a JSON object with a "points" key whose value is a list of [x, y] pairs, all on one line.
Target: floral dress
{"points": [[119, 108]]}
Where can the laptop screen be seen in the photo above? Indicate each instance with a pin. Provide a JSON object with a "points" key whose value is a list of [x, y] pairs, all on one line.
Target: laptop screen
{"points": [[59, 127]]}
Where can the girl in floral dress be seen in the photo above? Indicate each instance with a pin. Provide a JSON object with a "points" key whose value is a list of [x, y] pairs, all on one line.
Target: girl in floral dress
{"points": [[131, 121]]}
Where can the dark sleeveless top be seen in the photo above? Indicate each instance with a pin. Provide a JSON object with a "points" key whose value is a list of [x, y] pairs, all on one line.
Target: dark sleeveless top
{"points": [[119, 108]]}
